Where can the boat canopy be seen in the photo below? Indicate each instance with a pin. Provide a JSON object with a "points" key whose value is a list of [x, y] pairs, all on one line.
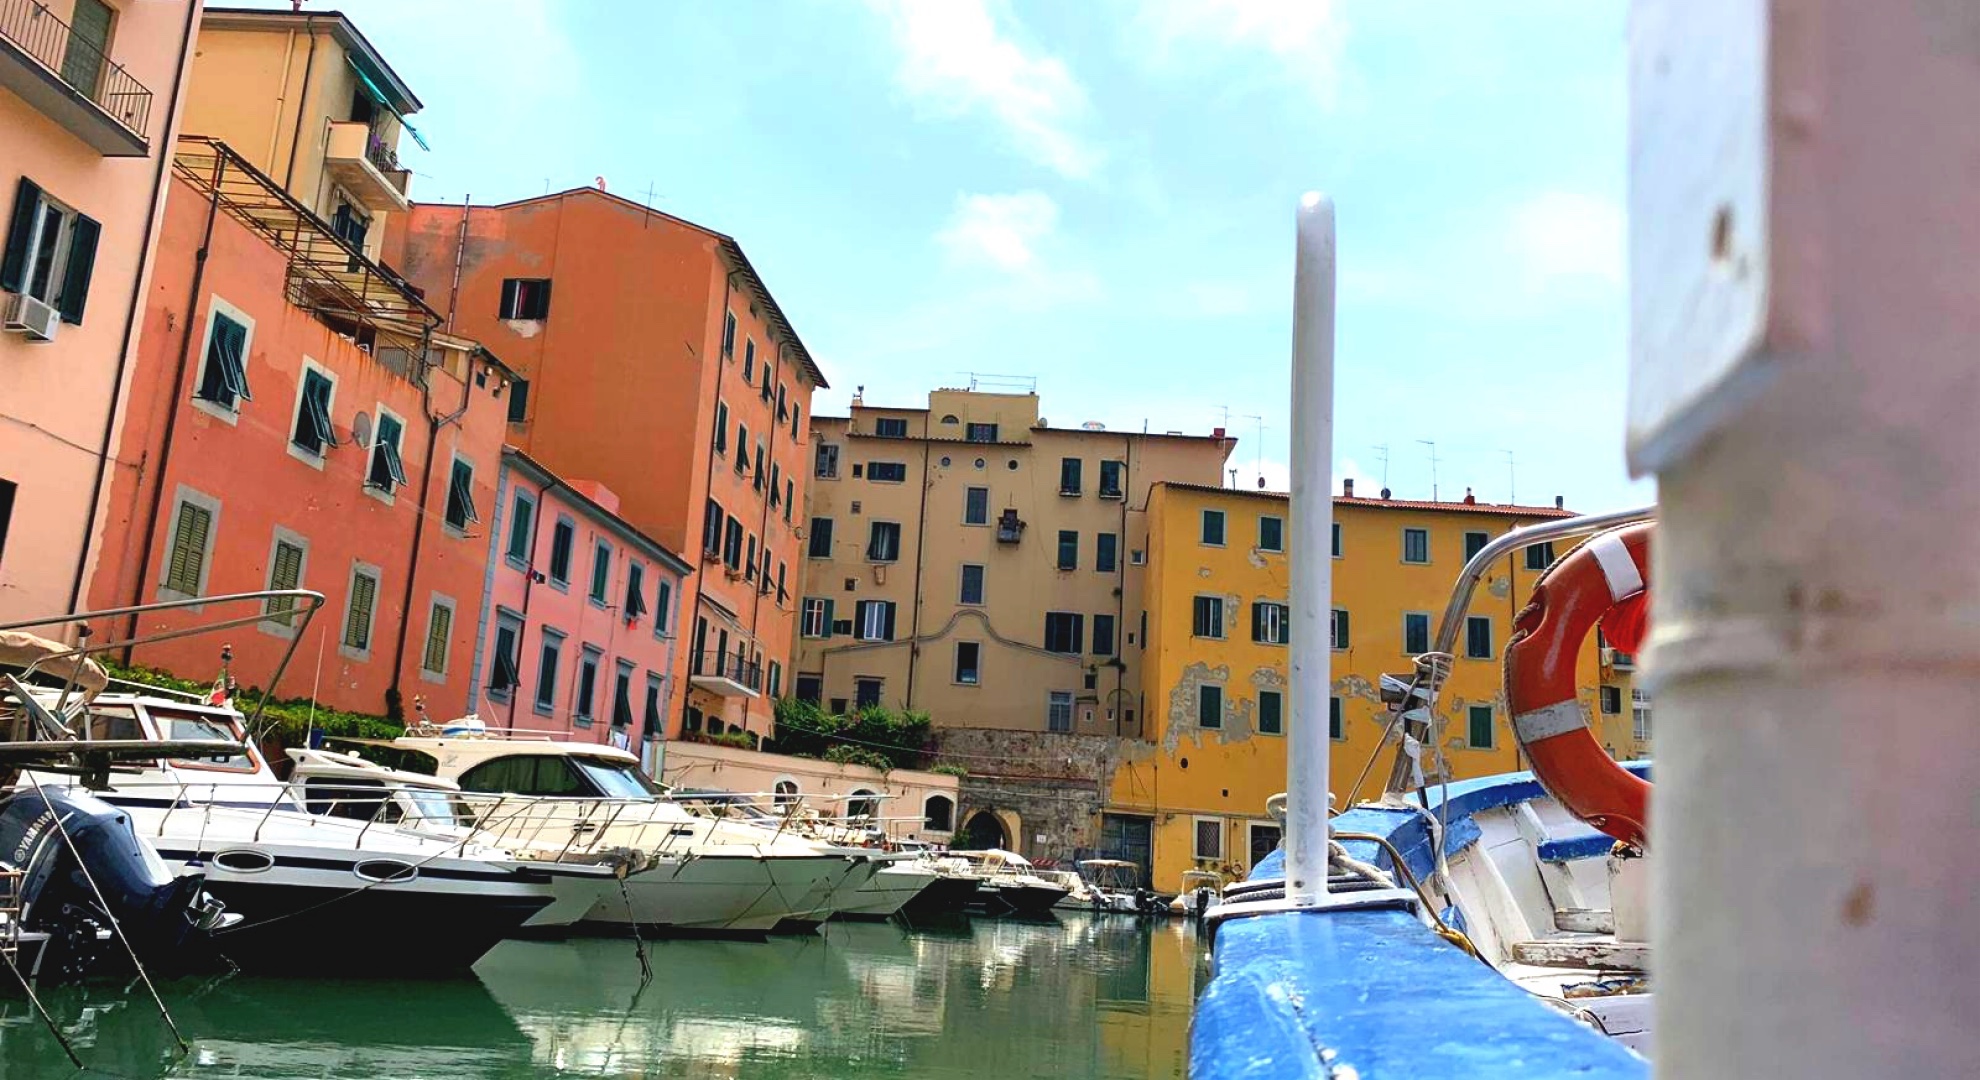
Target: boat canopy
{"points": [[20, 649]]}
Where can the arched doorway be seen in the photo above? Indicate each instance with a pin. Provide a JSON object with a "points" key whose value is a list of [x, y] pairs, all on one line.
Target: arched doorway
{"points": [[985, 831], [863, 807], [938, 814]]}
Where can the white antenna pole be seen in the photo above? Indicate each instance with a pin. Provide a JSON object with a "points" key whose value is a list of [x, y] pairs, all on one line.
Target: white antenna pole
{"points": [[1512, 480], [1383, 451], [1312, 508], [1433, 467]]}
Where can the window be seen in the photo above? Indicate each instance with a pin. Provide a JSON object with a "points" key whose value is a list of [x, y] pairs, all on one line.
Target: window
{"points": [[776, 680], [525, 298], [1271, 533], [811, 688], [780, 576], [1110, 479], [1069, 476], [728, 333], [790, 498], [819, 539], [1540, 556], [1065, 632], [883, 542], [50, 252], [749, 563], [722, 427], [887, 472], [312, 433], [622, 691], [285, 571], [1103, 635], [981, 433], [1478, 727], [1068, 549], [742, 447], [875, 619], [1106, 553], [522, 524], [866, 691], [650, 724], [387, 472], [1336, 728], [1059, 711], [1209, 706], [749, 360], [1474, 542], [1478, 637], [826, 462], [460, 497], [776, 485], [439, 636], [732, 544], [938, 814], [587, 683], [1337, 539], [1213, 528], [635, 603], [1416, 633], [972, 584], [663, 606], [815, 619], [976, 506], [562, 539], [502, 668], [1270, 623], [1612, 700], [797, 413], [546, 671], [1416, 546], [1271, 712], [1338, 633], [223, 373], [712, 520], [1209, 839], [359, 608], [756, 477], [534, 774], [968, 653], [518, 400], [783, 401], [191, 547], [1640, 715], [601, 571], [1207, 619], [890, 428]]}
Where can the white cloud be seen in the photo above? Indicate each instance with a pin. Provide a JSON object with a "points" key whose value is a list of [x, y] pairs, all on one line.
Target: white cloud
{"points": [[960, 57], [1304, 38], [1002, 231], [1559, 237]]}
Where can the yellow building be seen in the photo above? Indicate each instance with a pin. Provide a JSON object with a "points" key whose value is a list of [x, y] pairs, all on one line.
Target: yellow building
{"points": [[1193, 797], [976, 562], [306, 99]]}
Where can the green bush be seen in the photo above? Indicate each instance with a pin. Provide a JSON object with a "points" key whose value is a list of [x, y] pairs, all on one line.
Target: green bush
{"points": [[285, 720], [900, 739], [741, 740], [949, 769], [844, 754]]}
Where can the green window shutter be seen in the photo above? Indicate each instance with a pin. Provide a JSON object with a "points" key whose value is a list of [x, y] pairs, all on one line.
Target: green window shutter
{"points": [[13, 266], [284, 573], [439, 628], [82, 260], [188, 556], [828, 618], [357, 624]]}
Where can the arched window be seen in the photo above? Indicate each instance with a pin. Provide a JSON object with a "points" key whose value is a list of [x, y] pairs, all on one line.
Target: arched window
{"points": [[863, 806], [938, 814], [786, 793], [951, 418]]}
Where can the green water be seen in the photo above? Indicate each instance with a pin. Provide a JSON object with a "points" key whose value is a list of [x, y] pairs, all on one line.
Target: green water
{"points": [[1080, 997]]}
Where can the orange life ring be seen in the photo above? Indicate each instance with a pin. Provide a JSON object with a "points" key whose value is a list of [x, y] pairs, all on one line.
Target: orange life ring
{"points": [[1605, 580]]}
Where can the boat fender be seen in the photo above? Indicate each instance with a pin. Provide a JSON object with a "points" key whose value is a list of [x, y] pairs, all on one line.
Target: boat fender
{"points": [[1605, 580]]}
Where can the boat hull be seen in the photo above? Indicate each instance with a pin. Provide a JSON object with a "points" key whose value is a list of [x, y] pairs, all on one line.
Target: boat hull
{"points": [[948, 894], [384, 931], [1025, 901], [722, 894], [888, 891]]}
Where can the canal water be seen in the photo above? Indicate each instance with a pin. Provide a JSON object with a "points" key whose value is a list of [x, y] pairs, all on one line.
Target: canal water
{"points": [[1081, 996]]}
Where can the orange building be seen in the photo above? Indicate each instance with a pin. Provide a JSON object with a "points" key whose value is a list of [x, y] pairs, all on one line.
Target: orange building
{"points": [[90, 96], [653, 360], [300, 421]]}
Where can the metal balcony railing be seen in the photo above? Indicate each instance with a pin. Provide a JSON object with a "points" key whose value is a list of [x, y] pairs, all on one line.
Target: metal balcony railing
{"points": [[36, 31], [729, 666], [380, 153]]}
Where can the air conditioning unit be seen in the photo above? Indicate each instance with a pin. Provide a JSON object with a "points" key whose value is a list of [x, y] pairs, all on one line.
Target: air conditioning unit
{"points": [[32, 318]]}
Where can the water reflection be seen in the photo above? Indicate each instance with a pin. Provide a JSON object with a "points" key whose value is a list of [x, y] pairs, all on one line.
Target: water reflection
{"points": [[1081, 997]]}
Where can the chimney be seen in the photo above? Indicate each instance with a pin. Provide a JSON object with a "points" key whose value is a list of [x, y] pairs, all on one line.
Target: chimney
{"points": [[1469, 498], [1560, 502], [1217, 433], [1347, 487]]}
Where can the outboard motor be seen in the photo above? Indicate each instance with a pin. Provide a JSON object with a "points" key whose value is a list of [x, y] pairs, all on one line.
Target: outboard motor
{"points": [[167, 920]]}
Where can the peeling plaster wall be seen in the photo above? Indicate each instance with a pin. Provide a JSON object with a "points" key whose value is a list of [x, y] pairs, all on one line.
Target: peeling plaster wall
{"points": [[1053, 783]]}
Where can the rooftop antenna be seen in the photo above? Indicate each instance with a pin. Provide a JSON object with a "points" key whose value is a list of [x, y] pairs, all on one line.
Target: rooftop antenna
{"points": [[1383, 451], [1233, 477], [1512, 485], [1431, 443], [1259, 463]]}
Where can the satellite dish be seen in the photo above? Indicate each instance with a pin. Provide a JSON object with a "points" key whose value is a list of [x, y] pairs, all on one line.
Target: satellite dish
{"points": [[361, 430], [1093, 425]]}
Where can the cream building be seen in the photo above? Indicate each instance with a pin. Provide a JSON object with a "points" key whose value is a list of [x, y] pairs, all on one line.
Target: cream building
{"points": [[976, 562]]}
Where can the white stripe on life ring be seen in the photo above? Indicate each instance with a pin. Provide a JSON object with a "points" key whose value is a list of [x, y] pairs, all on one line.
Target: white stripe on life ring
{"points": [[1624, 579], [1547, 721]]}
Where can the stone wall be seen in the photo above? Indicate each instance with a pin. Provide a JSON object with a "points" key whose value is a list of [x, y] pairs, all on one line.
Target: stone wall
{"points": [[1048, 788]]}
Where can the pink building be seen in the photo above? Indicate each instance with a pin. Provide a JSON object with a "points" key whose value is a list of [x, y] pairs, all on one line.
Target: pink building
{"points": [[89, 105], [580, 618]]}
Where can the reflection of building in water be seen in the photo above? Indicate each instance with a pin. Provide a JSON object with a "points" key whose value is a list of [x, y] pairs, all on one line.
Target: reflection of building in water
{"points": [[1144, 1009]]}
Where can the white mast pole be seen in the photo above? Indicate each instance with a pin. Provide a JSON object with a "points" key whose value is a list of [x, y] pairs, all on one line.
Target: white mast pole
{"points": [[1312, 546]]}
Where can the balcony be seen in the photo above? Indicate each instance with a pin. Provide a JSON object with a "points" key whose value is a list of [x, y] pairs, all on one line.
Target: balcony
{"points": [[726, 675], [360, 161], [66, 76], [1009, 529]]}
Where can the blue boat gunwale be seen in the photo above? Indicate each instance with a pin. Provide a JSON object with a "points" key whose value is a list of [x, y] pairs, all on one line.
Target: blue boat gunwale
{"points": [[1299, 996]]}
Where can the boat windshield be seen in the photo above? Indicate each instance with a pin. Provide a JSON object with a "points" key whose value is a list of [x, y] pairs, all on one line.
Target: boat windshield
{"points": [[616, 780], [178, 725], [432, 804]]}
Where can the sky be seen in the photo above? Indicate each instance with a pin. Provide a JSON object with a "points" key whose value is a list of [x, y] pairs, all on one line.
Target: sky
{"points": [[1100, 196]]}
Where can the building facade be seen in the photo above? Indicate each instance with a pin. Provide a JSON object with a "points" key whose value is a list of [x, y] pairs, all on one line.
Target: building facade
{"points": [[299, 422], [578, 633], [90, 96], [1192, 795], [654, 360], [907, 804], [975, 562]]}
